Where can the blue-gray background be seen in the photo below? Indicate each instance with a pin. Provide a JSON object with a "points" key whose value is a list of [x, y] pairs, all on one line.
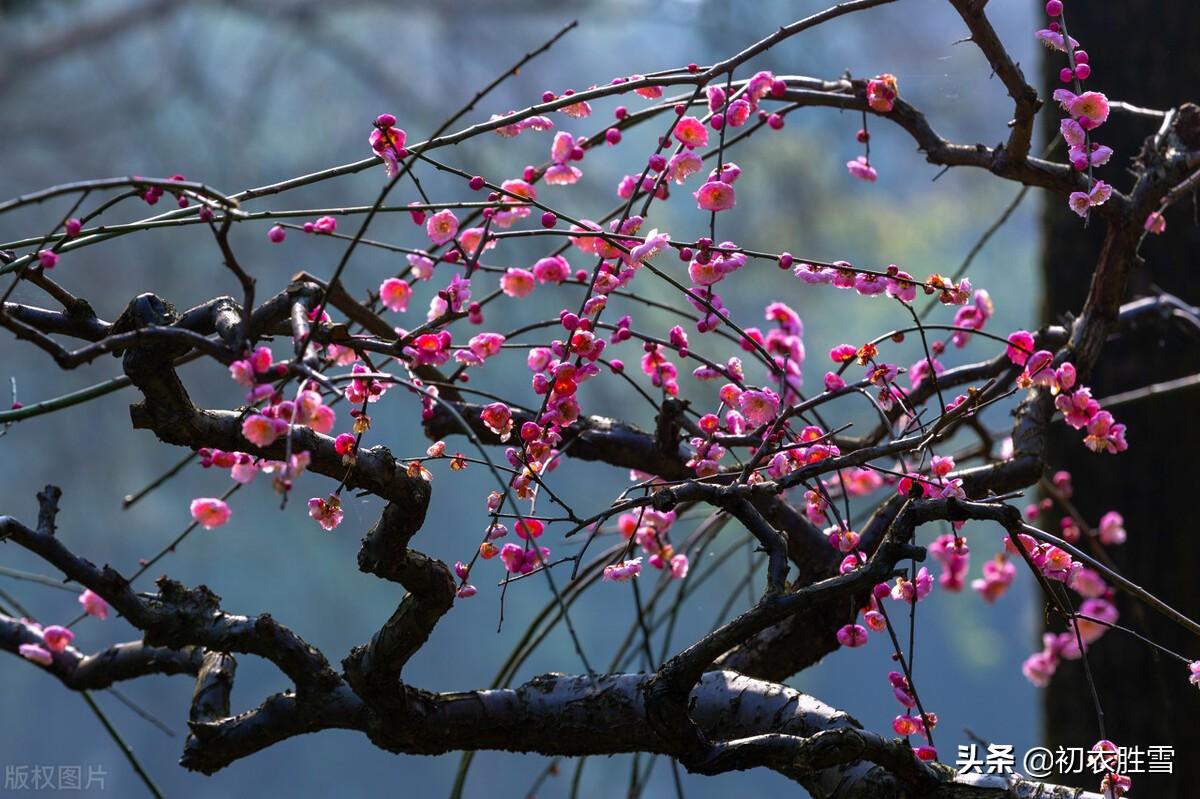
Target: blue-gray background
{"points": [[240, 94]]}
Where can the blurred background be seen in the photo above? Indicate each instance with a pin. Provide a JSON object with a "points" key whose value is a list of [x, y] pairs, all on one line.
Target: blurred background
{"points": [[241, 94]]}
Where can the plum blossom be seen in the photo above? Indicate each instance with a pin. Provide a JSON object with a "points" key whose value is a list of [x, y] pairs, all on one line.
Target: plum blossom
{"points": [[691, 132], [624, 571], [442, 226], [1111, 529], [57, 638], [882, 92], [1105, 434], [1078, 152], [395, 293], [715, 195], [36, 653], [852, 635], [210, 512], [327, 512], [1081, 202], [93, 604], [861, 169], [1090, 108], [498, 418], [517, 282], [387, 141], [759, 406], [562, 150], [1054, 40]]}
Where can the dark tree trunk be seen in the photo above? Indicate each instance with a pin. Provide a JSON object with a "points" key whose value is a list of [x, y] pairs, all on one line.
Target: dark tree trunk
{"points": [[1144, 53]]}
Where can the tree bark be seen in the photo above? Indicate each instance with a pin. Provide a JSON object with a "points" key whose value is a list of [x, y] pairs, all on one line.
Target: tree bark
{"points": [[1157, 46]]}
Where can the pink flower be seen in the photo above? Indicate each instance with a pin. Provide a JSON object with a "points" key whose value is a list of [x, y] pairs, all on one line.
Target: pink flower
{"points": [[553, 269], [1155, 223], [1078, 153], [852, 635], [325, 224], [834, 382], [1112, 528], [882, 92], [562, 174], [715, 195], [1081, 202], [57, 638], [1077, 408], [1020, 345], [517, 282], [242, 373], [1039, 667], [1105, 435], [327, 512], [679, 566], [1092, 106], [759, 406], [691, 132], [93, 604], [522, 561], [1194, 672], [47, 258], [910, 591], [998, 575], [430, 349], [210, 512], [442, 226], [394, 293], [862, 170], [1103, 611], [387, 141], [683, 165], [621, 572], [1054, 40], [260, 430], [498, 418], [36, 653]]}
